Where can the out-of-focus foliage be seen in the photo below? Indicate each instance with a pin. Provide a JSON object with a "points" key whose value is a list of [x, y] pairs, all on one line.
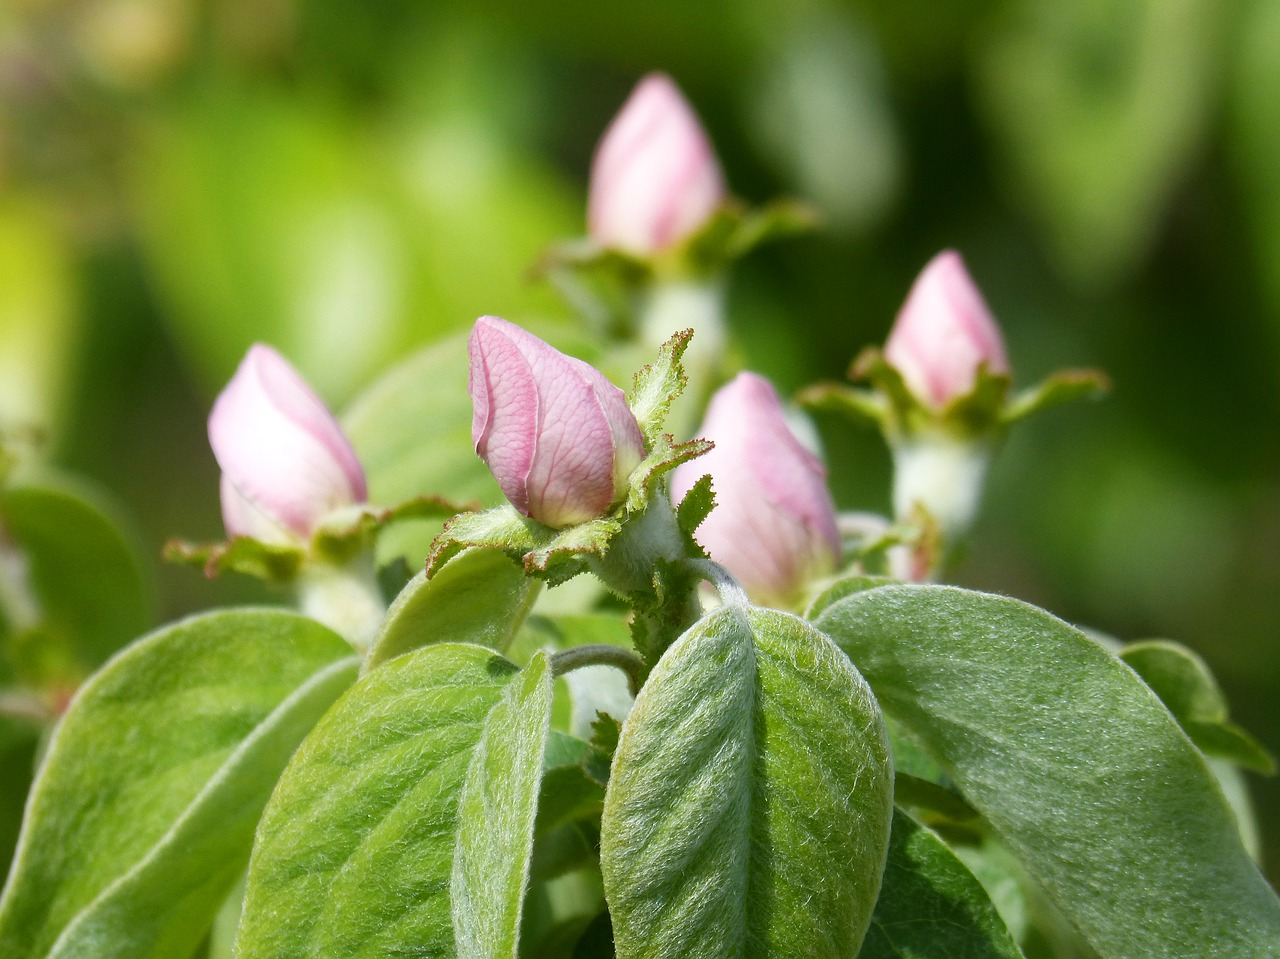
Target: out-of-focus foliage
{"points": [[348, 181]]}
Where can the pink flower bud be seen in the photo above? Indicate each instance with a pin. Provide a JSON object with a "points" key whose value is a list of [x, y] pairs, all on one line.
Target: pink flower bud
{"points": [[774, 524], [558, 436], [654, 179], [285, 461], [943, 333]]}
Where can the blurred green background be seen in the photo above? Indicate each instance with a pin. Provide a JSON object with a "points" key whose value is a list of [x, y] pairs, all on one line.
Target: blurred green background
{"points": [[348, 180]]}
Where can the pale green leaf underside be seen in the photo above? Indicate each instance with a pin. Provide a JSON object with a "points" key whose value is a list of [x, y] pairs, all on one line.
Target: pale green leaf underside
{"points": [[144, 809], [480, 596], [496, 815], [930, 904], [1075, 763], [355, 853], [748, 807]]}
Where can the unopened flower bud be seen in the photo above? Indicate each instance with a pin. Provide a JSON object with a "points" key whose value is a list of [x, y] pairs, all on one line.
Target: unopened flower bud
{"points": [[655, 179], [557, 435], [774, 525], [944, 333], [285, 461]]}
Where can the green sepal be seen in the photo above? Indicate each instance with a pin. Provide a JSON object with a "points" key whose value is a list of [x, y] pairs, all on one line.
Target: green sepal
{"points": [[731, 232], [271, 562], [337, 539], [342, 535], [656, 386], [985, 410], [552, 555], [736, 231], [856, 403], [1065, 386], [1185, 685], [693, 511], [654, 389], [978, 412]]}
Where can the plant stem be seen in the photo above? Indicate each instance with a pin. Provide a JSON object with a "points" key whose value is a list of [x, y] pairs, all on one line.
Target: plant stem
{"points": [[347, 599], [598, 654]]}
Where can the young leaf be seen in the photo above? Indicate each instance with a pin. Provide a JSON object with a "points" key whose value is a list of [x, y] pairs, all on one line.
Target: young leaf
{"points": [[355, 855], [480, 596], [930, 904], [146, 803], [1074, 762], [747, 813], [496, 815]]}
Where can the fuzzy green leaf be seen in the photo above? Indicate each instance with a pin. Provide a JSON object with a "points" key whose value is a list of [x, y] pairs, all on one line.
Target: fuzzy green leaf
{"points": [[355, 853], [1184, 684], [1073, 761], [930, 904], [496, 815], [480, 596], [145, 806], [748, 808]]}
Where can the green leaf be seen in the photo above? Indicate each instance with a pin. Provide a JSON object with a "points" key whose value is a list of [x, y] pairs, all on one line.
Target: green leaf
{"points": [[1073, 761], [480, 596], [748, 808], [496, 815], [145, 806], [1184, 684], [930, 905], [355, 853], [89, 594]]}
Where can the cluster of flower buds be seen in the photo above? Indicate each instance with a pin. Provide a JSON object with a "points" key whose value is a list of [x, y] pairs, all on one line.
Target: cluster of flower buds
{"points": [[564, 446]]}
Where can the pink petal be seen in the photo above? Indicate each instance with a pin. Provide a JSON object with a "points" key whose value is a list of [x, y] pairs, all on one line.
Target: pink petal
{"points": [[944, 331], [555, 432], [654, 178], [774, 524], [280, 448]]}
